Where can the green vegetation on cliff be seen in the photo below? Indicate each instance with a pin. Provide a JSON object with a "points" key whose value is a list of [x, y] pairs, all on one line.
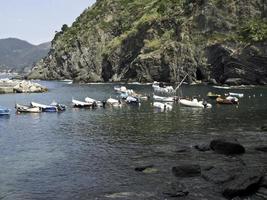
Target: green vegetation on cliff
{"points": [[146, 40]]}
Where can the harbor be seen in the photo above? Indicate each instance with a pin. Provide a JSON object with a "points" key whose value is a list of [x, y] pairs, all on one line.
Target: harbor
{"points": [[101, 150]]}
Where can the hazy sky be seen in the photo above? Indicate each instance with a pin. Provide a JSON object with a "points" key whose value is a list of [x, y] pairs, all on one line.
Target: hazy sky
{"points": [[37, 20]]}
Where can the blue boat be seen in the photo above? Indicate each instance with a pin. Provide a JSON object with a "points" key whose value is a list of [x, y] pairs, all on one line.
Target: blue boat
{"points": [[45, 108], [4, 111]]}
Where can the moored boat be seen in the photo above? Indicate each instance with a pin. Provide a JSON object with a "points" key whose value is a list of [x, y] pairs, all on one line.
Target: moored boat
{"points": [[45, 108], [227, 100], [27, 109], [195, 103], [212, 95], [132, 100], [161, 88], [80, 104], [4, 111], [165, 99], [239, 95], [162, 106], [95, 103], [114, 102]]}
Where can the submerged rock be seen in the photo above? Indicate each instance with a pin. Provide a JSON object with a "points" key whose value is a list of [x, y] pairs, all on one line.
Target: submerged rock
{"points": [[189, 170], [175, 190], [227, 146], [264, 128], [142, 168], [202, 147], [216, 175], [261, 148], [246, 183]]}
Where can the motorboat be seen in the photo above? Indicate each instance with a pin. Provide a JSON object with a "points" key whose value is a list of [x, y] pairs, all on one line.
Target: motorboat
{"points": [[94, 102], [239, 95], [45, 108], [114, 102], [80, 104], [27, 109], [195, 103], [4, 111]]}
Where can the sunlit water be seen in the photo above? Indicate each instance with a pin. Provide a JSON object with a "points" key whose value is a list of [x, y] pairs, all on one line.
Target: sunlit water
{"points": [[91, 154]]}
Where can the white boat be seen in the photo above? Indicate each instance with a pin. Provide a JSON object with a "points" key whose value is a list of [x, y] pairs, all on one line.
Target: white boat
{"points": [[160, 88], [90, 100], [27, 109], [114, 102], [222, 87], [132, 100], [195, 103], [239, 95], [165, 99], [162, 106], [81, 104]]}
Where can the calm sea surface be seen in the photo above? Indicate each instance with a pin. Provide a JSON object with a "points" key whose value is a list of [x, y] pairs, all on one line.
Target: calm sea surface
{"points": [[91, 154]]}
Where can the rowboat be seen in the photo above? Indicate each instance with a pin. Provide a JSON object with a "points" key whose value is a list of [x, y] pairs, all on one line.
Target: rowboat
{"points": [[227, 100], [27, 109], [239, 95], [4, 111], [195, 103], [165, 99], [60, 107], [45, 108], [80, 104], [212, 95], [162, 106]]}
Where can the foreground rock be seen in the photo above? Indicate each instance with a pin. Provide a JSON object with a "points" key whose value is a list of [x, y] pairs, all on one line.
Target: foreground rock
{"points": [[175, 190], [246, 183], [16, 86], [216, 175], [186, 170], [227, 146]]}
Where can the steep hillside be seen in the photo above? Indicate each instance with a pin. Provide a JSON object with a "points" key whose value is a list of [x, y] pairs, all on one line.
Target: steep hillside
{"points": [[16, 54], [221, 41]]}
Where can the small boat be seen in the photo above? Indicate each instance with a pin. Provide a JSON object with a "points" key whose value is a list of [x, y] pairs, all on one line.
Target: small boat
{"points": [[124, 95], [165, 99], [162, 106], [222, 87], [227, 100], [60, 107], [80, 104], [212, 95], [239, 95], [132, 100], [27, 109], [195, 103], [114, 102], [119, 89], [4, 111], [95, 103], [45, 108], [161, 88]]}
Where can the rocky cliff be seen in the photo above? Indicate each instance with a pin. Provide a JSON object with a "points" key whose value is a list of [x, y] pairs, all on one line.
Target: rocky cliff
{"points": [[222, 41]]}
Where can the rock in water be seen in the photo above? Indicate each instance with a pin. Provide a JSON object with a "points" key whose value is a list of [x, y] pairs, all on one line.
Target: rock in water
{"points": [[175, 190], [264, 128], [202, 147], [216, 175], [186, 170], [227, 146], [143, 168], [261, 148], [246, 183]]}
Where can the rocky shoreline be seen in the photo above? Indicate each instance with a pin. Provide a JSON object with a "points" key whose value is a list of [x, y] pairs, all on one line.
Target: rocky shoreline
{"points": [[221, 168], [20, 86]]}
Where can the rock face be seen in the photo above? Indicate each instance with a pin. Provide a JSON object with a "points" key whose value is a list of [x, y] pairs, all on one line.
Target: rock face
{"points": [[162, 40], [227, 146]]}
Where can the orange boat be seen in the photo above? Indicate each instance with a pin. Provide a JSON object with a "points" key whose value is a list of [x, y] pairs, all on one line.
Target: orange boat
{"points": [[227, 100]]}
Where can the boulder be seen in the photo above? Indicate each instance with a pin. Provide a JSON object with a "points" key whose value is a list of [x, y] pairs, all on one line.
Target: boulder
{"points": [[216, 175], [142, 168], [227, 146], [188, 170], [246, 183], [202, 147], [261, 148], [175, 190]]}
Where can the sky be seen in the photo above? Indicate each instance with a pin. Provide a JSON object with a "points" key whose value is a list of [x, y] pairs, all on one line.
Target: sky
{"points": [[37, 20]]}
